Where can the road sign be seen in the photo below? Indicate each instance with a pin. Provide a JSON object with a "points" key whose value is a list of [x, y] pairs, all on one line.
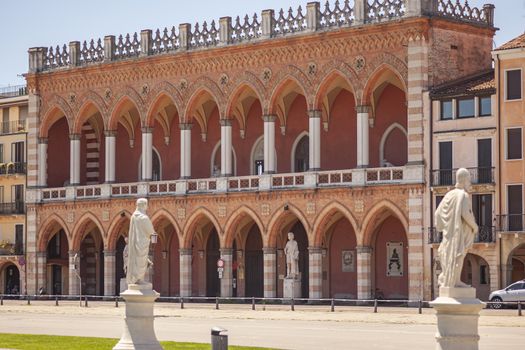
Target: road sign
{"points": [[220, 269], [220, 263]]}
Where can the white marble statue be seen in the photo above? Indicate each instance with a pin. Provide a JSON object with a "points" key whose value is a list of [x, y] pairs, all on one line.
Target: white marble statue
{"points": [[454, 218], [291, 250], [140, 231], [125, 255]]}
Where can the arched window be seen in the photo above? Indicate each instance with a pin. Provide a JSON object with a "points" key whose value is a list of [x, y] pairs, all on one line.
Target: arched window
{"points": [[257, 163], [301, 154], [215, 166], [156, 165]]}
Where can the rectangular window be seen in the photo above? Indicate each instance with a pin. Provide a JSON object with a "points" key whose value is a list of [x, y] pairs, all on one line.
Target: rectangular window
{"points": [[513, 84], [446, 110], [466, 108], [1, 152], [484, 161], [483, 274], [485, 106], [5, 121], [2, 194], [514, 145], [19, 239], [17, 152], [482, 210], [445, 163], [515, 208]]}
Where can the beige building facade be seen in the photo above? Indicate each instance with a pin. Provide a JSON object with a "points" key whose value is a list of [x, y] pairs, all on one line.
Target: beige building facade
{"points": [[13, 134]]}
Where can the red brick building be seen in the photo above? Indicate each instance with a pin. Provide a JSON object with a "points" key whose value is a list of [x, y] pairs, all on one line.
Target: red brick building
{"points": [[238, 132]]}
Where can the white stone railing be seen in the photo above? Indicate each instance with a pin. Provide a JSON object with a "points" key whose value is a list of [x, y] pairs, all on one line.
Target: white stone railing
{"points": [[322, 179], [313, 17]]}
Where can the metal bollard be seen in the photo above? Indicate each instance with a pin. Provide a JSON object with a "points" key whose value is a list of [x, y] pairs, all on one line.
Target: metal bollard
{"points": [[519, 307], [332, 306], [182, 303], [375, 306], [292, 305], [219, 339], [216, 303], [116, 301], [56, 301], [85, 301], [420, 306], [2, 300], [28, 299], [253, 303]]}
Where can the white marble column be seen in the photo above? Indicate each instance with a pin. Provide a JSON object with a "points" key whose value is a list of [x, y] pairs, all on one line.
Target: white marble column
{"points": [[364, 273], [42, 162], [109, 272], [362, 136], [226, 147], [315, 140], [227, 275], [269, 144], [185, 272], [74, 159], [74, 285], [270, 270], [111, 137], [147, 154], [185, 150], [315, 260]]}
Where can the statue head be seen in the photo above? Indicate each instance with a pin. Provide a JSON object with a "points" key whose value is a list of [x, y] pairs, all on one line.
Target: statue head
{"points": [[290, 236], [463, 179], [142, 205]]}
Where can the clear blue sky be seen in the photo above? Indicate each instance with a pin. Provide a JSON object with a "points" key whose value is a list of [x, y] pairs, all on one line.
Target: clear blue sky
{"points": [[29, 23]]}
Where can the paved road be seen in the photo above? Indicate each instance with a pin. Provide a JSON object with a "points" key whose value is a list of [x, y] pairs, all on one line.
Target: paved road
{"points": [[284, 334]]}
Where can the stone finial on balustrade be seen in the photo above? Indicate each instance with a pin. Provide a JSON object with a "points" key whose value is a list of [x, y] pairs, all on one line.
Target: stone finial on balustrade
{"points": [[488, 9], [109, 48], [312, 15], [146, 42], [360, 11], [416, 8], [36, 59], [184, 36], [267, 23], [74, 53], [225, 30]]}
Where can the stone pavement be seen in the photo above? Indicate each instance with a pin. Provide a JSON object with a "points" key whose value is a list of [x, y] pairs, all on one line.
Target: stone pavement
{"points": [[309, 327]]}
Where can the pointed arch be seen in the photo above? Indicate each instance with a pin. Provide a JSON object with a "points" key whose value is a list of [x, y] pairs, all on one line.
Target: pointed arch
{"points": [[377, 214], [79, 231], [89, 101], [329, 77], [162, 92], [253, 84], [163, 214], [217, 148], [85, 113], [196, 109], [385, 135], [285, 86], [58, 108], [235, 219], [116, 225], [298, 139], [51, 225], [192, 222], [277, 221], [130, 97], [196, 89], [326, 217], [384, 72]]}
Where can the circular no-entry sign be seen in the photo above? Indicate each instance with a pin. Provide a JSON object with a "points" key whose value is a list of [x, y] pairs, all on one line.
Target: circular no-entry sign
{"points": [[220, 263]]}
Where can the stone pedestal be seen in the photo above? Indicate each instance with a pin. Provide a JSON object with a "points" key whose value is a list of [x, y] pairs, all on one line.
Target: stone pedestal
{"points": [[457, 311], [139, 332], [123, 285], [291, 288]]}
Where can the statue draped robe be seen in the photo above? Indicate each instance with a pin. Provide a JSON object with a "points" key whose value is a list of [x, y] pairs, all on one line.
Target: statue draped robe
{"points": [[140, 230], [291, 250], [451, 218]]}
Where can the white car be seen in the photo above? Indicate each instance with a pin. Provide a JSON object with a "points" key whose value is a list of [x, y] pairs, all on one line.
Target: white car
{"points": [[514, 292]]}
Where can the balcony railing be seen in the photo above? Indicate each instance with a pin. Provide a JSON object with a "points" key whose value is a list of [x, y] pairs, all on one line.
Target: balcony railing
{"points": [[13, 168], [447, 177], [12, 127], [511, 223], [308, 180], [486, 234], [12, 208], [13, 91], [11, 249]]}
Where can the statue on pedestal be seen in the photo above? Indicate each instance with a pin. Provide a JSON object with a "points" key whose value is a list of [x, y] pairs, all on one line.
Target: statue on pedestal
{"points": [[140, 232], [291, 250], [455, 219]]}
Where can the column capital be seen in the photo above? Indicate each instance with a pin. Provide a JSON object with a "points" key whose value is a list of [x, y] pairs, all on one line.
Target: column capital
{"points": [[74, 137], [41, 254], [146, 130], [185, 251], [315, 250], [363, 249], [314, 113], [110, 133], [269, 118], [363, 109], [225, 122], [226, 251], [73, 252], [269, 250], [108, 253], [43, 140], [185, 126]]}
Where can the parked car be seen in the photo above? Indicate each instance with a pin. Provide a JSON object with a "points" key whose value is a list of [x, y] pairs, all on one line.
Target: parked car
{"points": [[514, 292]]}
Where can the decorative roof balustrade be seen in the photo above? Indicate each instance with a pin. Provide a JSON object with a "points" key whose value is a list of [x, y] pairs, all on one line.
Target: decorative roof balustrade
{"points": [[343, 13]]}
